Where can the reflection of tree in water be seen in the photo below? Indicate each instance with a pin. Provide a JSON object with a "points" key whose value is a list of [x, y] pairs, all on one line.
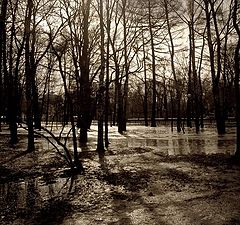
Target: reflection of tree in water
{"points": [[197, 146], [32, 195], [53, 207], [182, 148], [41, 199], [10, 196]]}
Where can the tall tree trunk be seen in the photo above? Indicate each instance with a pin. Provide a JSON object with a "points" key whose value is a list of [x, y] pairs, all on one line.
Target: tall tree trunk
{"points": [[84, 119], [2, 54], [200, 83], [237, 76], [165, 100], [194, 70], [36, 108], [219, 114], [107, 76], [77, 163], [29, 78], [33, 65], [12, 91], [172, 53], [126, 67], [119, 106], [100, 99], [45, 96], [189, 93], [145, 104], [154, 94], [114, 119]]}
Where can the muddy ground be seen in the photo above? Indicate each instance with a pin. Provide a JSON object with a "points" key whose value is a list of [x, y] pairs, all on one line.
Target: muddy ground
{"points": [[134, 183]]}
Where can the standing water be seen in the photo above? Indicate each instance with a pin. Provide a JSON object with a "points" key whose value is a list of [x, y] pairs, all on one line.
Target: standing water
{"points": [[138, 186], [163, 140]]}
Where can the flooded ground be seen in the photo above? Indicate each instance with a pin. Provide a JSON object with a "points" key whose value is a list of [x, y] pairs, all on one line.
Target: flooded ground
{"points": [[148, 176]]}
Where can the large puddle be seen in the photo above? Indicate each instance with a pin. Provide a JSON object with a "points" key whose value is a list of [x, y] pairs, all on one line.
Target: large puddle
{"points": [[163, 140], [23, 196]]}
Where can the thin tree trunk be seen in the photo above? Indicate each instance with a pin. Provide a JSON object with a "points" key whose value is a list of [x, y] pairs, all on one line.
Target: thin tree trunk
{"points": [[237, 77], [77, 162], [84, 119], [219, 115], [29, 78], [200, 85], [172, 53], [154, 94], [107, 76], [145, 106], [189, 93], [194, 71], [126, 67], [12, 92], [100, 142], [2, 54]]}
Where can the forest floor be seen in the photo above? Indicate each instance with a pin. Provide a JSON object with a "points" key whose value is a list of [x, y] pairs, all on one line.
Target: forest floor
{"points": [[148, 176]]}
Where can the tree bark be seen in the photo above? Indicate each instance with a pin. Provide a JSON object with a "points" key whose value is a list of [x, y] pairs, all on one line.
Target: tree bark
{"points": [[29, 78], [126, 67], [100, 99], [219, 114], [172, 54], [237, 77], [77, 163], [3, 67], [107, 76], [84, 117], [145, 104], [154, 94]]}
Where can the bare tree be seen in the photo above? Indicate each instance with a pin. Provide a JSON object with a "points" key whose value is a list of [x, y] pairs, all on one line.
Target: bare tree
{"points": [[172, 54], [59, 54], [108, 28], [237, 74], [215, 62], [100, 95], [3, 66]]}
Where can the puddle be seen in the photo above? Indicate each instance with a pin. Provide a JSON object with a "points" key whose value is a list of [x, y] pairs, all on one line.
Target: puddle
{"points": [[28, 197], [161, 139], [128, 193]]}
